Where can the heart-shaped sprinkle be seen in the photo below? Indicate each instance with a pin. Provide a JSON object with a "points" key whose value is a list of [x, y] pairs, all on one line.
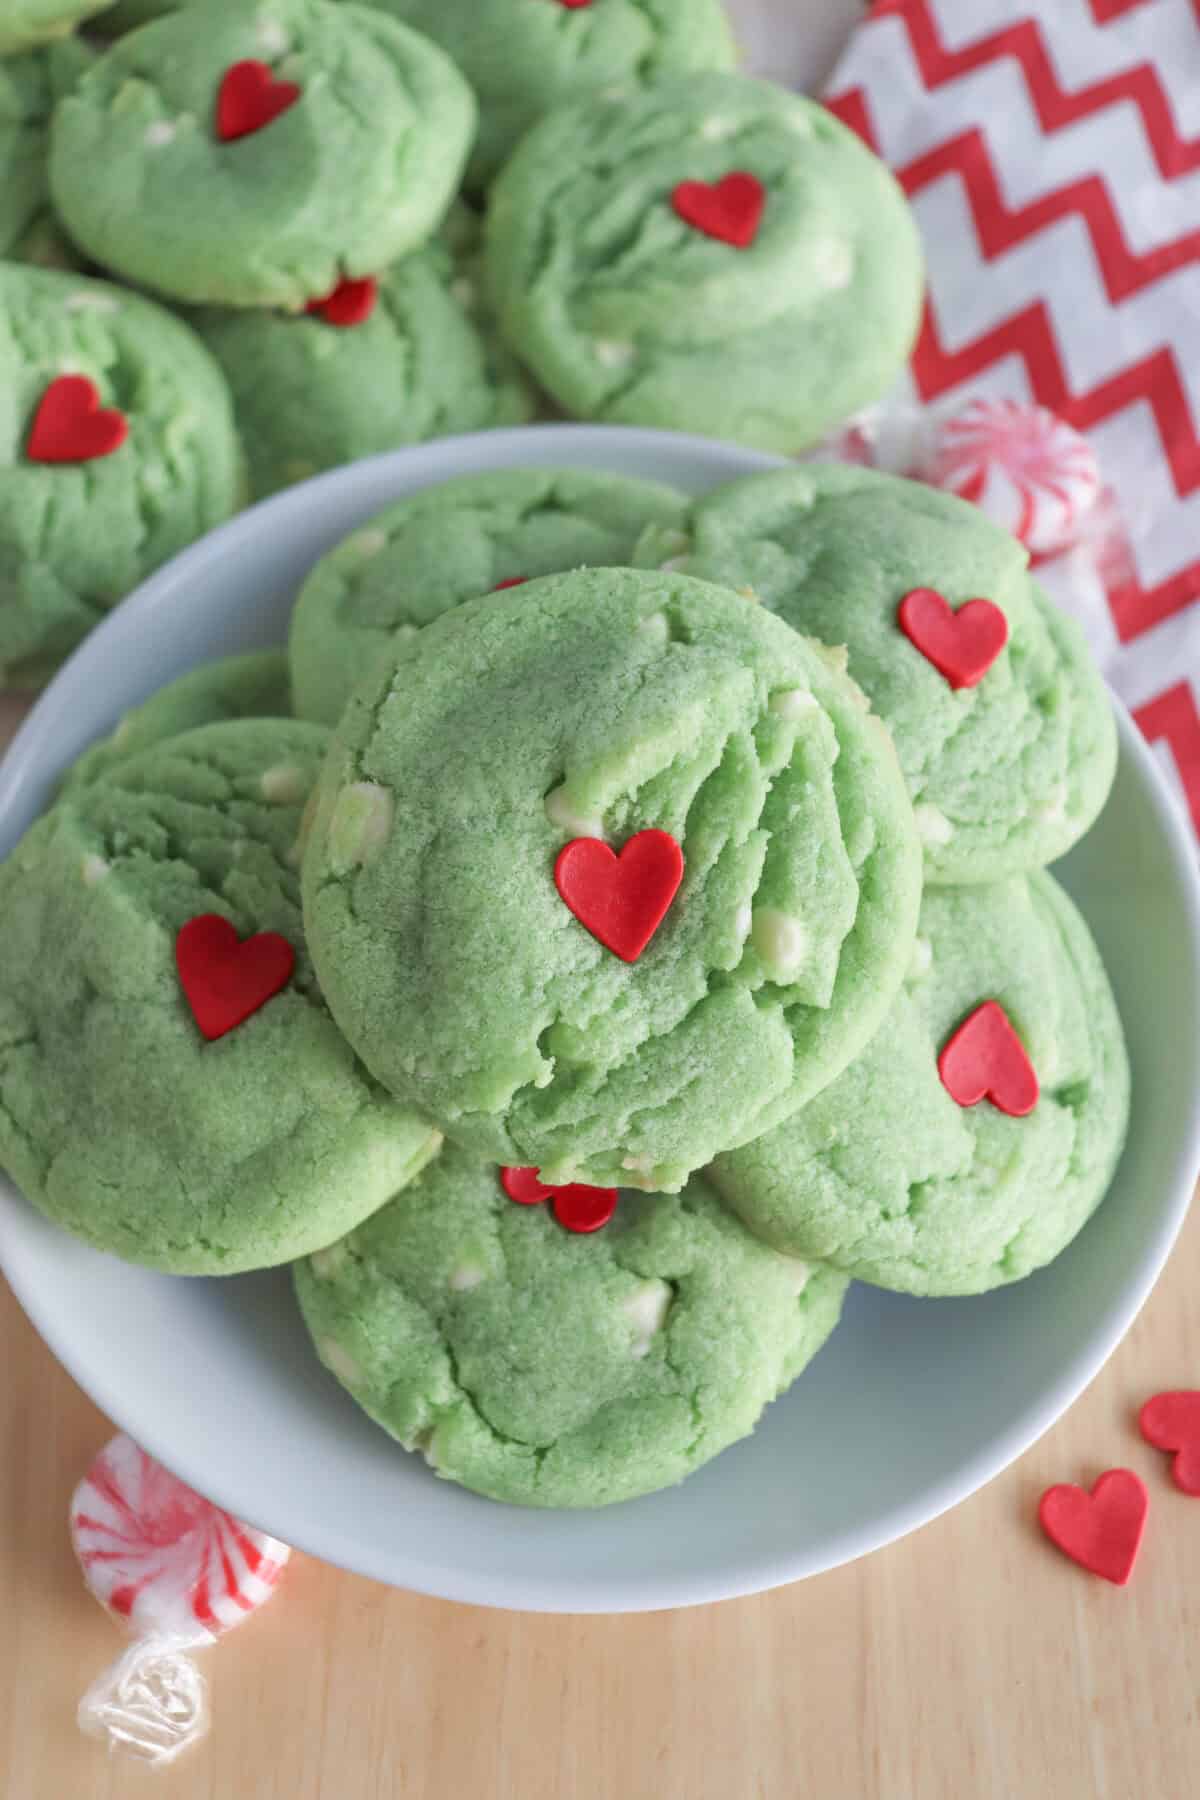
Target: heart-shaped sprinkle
{"points": [[525, 1186], [730, 209], [226, 979], [513, 581], [249, 97], [576, 1207], [986, 1059], [622, 900], [350, 303], [1101, 1531], [71, 426], [961, 645], [574, 5], [1172, 1422]]}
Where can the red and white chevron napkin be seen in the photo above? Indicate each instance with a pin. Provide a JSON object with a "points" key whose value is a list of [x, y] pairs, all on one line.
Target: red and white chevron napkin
{"points": [[1051, 150]]}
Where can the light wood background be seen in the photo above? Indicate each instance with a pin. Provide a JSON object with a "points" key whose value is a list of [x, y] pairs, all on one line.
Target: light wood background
{"points": [[969, 1662]]}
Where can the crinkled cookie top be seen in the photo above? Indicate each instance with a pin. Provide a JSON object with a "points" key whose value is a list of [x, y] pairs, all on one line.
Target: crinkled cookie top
{"points": [[603, 704]]}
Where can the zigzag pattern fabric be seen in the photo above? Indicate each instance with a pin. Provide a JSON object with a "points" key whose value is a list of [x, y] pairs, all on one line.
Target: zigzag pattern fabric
{"points": [[1051, 150]]}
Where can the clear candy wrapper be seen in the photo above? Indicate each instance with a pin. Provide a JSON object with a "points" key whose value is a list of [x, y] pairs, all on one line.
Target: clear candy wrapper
{"points": [[177, 1571], [1030, 472]]}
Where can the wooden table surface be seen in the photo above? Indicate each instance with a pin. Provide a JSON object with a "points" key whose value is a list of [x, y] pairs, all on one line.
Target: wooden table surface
{"points": [[969, 1661]]}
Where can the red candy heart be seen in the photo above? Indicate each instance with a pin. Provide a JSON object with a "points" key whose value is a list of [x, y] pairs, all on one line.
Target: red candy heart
{"points": [[730, 209], [225, 979], [70, 425], [350, 303], [574, 5], [622, 900], [525, 1186], [1172, 1422], [986, 1058], [961, 645], [249, 97], [576, 1207], [1101, 1531], [513, 581]]}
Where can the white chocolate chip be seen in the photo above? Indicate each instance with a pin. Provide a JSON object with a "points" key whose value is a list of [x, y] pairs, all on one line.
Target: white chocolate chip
{"points": [[637, 1165], [656, 626], [646, 1308], [326, 1263], [272, 38], [677, 542], [284, 785], [361, 824], [716, 128], [340, 1362], [797, 121], [922, 959], [743, 920], [668, 568], [933, 827], [85, 300], [368, 543], [468, 1275], [562, 813], [833, 263], [1054, 812], [613, 353], [159, 134], [781, 942], [799, 1272], [93, 869], [793, 703]]}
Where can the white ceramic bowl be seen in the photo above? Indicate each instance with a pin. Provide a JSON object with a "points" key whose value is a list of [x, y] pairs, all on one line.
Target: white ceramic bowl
{"points": [[913, 1404]]}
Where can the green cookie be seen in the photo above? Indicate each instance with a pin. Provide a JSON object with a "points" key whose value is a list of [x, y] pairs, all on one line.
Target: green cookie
{"points": [[627, 313], [254, 686], [117, 1118], [894, 1182], [76, 537], [353, 174], [309, 395], [24, 23], [604, 704], [1004, 776], [30, 86], [524, 58], [452, 543], [545, 1368]]}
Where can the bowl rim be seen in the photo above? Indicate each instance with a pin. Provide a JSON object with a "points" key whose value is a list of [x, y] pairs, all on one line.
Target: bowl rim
{"points": [[29, 752]]}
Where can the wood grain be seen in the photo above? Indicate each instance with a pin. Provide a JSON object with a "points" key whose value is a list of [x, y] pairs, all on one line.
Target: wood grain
{"points": [[969, 1661]]}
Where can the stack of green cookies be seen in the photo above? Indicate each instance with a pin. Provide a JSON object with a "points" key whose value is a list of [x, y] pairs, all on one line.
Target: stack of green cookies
{"points": [[660, 940], [645, 235]]}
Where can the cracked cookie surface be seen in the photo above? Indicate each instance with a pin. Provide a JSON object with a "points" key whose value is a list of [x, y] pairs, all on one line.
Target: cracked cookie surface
{"points": [[311, 396], [117, 1119], [1004, 776], [524, 60], [601, 704], [357, 172], [629, 315], [887, 1177], [452, 543], [548, 1369], [75, 538]]}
